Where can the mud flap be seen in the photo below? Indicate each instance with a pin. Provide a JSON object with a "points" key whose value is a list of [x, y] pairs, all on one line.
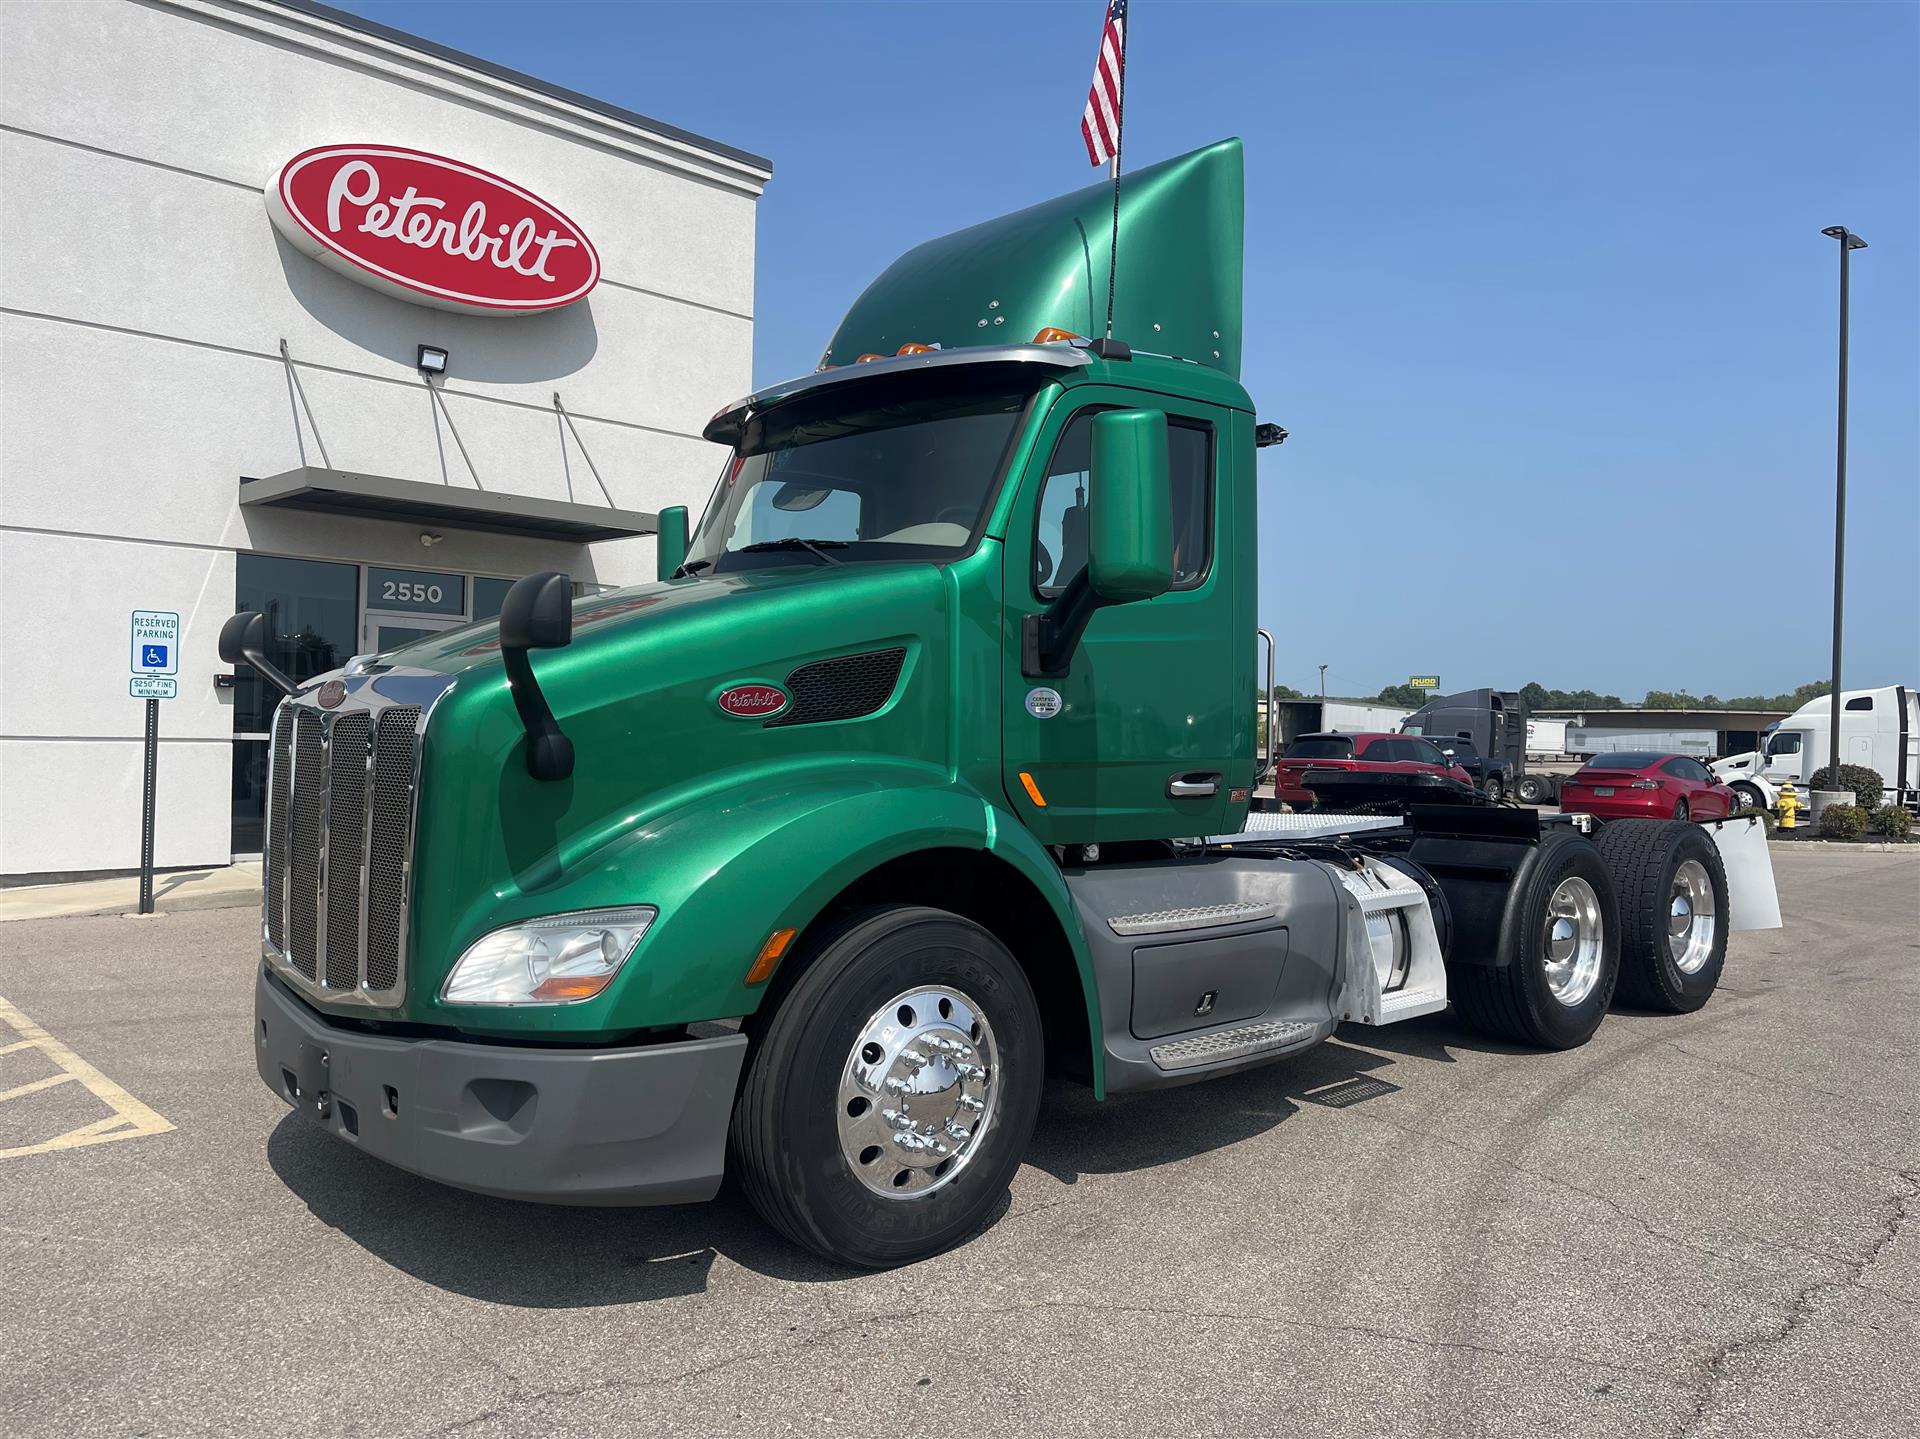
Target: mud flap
{"points": [[1752, 900]]}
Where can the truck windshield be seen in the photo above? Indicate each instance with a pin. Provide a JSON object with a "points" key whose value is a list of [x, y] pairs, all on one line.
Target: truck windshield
{"points": [[909, 480]]}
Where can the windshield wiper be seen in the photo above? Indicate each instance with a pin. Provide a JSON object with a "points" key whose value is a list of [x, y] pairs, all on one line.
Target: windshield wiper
{"points": [[692, 567], [794, 542]]}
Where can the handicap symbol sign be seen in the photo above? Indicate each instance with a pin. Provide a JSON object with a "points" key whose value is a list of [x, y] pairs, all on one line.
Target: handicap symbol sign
{"points": [[156, 642]]}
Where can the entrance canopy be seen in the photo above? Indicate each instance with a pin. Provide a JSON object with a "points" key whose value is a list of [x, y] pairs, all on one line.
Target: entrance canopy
{"points": [[382, 497]]}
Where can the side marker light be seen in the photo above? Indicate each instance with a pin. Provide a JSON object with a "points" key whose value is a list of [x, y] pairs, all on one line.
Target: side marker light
{"points": [[1033, 790], [769, 957]]}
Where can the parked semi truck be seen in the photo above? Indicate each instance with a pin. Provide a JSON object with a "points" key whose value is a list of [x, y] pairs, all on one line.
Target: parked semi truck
{"points": [[923, 769], [1879, 729], [1495, 727]]}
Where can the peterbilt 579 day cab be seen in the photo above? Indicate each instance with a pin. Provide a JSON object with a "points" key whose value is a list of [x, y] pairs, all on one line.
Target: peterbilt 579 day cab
{"points": [[923, 768]]}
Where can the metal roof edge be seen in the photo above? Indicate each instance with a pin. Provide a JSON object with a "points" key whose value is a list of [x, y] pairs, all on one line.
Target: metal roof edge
{"points": [[446, 53]]}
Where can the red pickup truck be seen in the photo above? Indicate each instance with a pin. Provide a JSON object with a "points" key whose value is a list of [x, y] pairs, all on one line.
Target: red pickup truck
{"points": [[1390, 753]]}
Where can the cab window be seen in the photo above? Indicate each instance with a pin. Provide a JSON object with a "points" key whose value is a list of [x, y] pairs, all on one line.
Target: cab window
{"points": [[1425, 752], [1060, 540], [1784, 742]]}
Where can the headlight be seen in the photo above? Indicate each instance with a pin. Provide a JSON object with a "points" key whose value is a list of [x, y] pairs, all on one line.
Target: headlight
{"points": [[561, 959]]}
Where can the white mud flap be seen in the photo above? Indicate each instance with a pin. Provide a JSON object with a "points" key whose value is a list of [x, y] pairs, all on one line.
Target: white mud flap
{"points": [[1392, 967], [1752, 900]]}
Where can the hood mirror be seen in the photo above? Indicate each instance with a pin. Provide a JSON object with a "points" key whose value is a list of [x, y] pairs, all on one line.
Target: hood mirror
{"points": [[537, 614], [243, 640]]}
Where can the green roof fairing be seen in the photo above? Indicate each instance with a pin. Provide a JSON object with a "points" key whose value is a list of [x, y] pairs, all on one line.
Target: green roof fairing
{"points": [[1002, 282]]}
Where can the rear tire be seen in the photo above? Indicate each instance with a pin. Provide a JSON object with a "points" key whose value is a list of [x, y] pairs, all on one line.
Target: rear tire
{"points": [[1672, 887], [852, 1168], [1495, 790], [1682, 811], [1559, 952]]}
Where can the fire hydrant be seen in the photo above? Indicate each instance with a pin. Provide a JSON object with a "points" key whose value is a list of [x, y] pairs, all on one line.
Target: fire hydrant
{"points": [[1789, 805]]}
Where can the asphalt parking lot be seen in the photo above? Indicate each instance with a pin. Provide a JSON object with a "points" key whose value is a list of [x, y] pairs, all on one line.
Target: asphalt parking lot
{"points": [[1696, 1225]]}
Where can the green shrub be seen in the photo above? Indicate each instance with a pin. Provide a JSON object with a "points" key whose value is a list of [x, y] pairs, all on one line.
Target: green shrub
{"points": [[1843, 821], [1866, 784], [1768, 821], [1892, 821]]}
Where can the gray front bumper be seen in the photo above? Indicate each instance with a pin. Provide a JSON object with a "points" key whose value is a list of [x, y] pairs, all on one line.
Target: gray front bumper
{"points": [[558, 1126]]}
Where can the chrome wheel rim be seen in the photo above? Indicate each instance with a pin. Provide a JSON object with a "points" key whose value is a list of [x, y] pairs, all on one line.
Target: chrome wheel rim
{"points": [[919, 1092], [1573, 941], [1691, 919]]}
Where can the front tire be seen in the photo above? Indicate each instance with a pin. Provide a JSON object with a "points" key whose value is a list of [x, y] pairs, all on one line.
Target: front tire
{"points": [[1672, 885], [1530, 790], [1559, 952], [1749, 797], [890, 1098]]}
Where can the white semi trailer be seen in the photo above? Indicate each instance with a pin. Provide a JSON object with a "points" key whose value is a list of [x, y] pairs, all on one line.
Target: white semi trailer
{"points": [[1879, 728]]}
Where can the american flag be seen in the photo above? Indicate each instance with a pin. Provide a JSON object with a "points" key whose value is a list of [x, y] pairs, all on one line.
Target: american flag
{"points": [[1100, 121]]}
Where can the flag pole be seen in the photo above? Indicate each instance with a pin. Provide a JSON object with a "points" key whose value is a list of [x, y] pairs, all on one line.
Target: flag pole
{"points": [[1119, 140]]}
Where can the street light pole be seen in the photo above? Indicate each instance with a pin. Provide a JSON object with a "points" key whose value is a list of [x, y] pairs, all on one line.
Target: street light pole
{"points": [[1849, 242], [1323, 692]]}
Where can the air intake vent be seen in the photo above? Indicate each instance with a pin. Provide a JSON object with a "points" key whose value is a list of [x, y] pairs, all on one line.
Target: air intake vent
{"points": [[843, 688]]}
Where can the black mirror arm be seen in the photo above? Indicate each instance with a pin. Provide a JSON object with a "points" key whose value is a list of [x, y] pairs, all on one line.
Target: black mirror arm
{"points": [[537, 613], [244, 638], [1048, 639], [549, 751]]}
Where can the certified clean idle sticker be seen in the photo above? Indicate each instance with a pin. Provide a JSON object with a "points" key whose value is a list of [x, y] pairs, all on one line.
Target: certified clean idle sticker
{"points": [[1043, 703]]}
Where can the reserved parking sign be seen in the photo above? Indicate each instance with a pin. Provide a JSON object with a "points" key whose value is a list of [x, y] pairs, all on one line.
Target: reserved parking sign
{"points": [[156, 642]]}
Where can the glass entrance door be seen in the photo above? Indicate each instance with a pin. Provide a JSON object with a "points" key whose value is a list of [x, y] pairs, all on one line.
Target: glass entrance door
{"points": [[388, 632]]}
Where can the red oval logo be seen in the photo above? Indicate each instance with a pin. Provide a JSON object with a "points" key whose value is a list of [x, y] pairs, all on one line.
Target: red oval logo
{"points": [[432, 230], [331, 693], [752, 701]]}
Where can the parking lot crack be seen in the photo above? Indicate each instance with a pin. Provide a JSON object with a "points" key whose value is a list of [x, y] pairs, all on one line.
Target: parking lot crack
{"points": [[1798, 1309]]}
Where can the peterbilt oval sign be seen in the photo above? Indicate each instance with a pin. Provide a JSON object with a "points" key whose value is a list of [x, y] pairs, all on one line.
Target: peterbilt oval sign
{"points": [[435, 231], [752, 701]]}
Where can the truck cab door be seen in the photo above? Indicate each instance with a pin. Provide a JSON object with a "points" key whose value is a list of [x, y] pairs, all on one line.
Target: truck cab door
{"points": [[1138, 740]]}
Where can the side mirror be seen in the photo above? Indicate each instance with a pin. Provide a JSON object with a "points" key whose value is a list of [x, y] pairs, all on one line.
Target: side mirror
{"points": [[670, 547], [537, 614], [1129, 537], [243, 640], [1129, 507]]}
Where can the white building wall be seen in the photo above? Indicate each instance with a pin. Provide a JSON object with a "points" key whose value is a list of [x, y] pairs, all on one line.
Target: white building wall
{"points": [[144, 298]]}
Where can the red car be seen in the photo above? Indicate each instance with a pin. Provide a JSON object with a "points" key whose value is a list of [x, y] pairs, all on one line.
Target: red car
{"points": [[1394, 753], [1639, 784]]}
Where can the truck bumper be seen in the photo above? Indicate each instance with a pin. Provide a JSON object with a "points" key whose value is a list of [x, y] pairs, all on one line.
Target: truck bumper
{"points": [[556, 1126]]}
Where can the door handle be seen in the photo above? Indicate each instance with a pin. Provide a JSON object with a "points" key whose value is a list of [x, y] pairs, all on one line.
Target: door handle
{"points": [[1193, 786]]}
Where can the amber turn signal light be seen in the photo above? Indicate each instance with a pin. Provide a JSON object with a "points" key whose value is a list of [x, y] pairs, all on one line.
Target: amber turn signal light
{"points": [[769, 957]]}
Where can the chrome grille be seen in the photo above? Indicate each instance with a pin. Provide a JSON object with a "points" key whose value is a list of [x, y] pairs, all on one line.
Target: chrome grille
{"points": [[339, 845], [280, 769], [303, 842], [346, 845], [391, 845]]}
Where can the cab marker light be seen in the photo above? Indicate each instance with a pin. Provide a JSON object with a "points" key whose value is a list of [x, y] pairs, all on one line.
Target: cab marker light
{"points": [[868, 359], [911, 348], [1052, 334], [769, 956], [1033, 790]]}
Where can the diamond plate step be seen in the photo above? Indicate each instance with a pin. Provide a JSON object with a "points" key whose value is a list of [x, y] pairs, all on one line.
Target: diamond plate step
{"points": [[1204, 916], [1409, 1003], [1228, 1044]]}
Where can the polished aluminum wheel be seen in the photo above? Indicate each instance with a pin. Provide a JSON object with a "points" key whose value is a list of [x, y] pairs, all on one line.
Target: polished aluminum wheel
{"points": [[1574, 940], [1691, 920], [918, 1092]]}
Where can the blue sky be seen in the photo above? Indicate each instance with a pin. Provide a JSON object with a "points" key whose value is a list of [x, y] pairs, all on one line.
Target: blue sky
{"points": [[1539, 289]]}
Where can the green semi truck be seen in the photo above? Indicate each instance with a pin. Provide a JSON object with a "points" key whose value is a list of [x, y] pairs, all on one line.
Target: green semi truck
{"points": [[924, 769]]}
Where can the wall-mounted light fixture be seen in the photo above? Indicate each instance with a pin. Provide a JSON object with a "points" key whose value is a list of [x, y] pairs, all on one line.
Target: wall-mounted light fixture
{"points": [[430, 360]]}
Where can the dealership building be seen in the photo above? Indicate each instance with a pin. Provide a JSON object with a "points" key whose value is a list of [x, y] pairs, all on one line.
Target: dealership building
{"points": [[304, 315]]}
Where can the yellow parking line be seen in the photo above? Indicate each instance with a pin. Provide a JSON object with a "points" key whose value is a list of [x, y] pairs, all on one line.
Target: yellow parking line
{"points": [[130, 1118], [36, 1086]]}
